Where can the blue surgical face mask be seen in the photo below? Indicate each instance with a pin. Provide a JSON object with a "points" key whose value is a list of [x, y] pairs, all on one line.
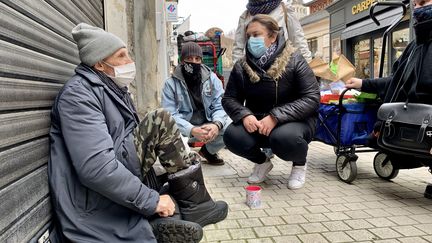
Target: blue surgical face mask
{"points": [[256, 46], [423, 13]]}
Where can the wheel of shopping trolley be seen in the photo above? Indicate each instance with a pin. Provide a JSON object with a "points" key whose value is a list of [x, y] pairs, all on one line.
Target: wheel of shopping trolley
{"points": [[346, 167], [384, 167]]}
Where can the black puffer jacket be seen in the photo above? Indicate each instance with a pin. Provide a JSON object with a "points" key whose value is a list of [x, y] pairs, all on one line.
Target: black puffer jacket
{"points": [[286, 88]]}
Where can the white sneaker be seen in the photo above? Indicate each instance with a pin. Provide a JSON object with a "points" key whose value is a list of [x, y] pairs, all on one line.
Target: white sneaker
{"points": [[297, 178], [260, 172]]}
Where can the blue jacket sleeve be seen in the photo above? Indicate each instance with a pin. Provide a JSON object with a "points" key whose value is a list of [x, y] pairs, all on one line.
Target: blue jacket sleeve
{"points": [[169, 104], [90, 147]]}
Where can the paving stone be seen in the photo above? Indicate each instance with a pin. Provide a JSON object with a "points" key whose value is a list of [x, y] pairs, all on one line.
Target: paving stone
{"points": [[358, 224], [402, 220], [250, 222], [290, 229], [336, 216], [357, 214], [408, 230], [256, 213], [377, 212], [317, 209], [286, 239], [296, 210], [314, 227], [217, 235], [412, 240], [336, 207], [326, 209], [236, 215], [272, 221], [359, 235], [242, 233], [233, 241], [316, 217], [267, 231], [337, 237], [385, 233], [424, 227], [428, 238], [381, 222], [312, 238], [294, 219], [336, 225], [228, 224], [424, 219], [262, 240]]}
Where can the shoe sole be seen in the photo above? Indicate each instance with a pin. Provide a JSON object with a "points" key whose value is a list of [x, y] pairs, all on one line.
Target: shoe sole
{"points": [[260, 181], [176, 232]]}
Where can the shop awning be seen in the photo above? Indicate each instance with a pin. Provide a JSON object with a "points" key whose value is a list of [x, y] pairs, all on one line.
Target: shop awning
{"points": [[368, 25]]}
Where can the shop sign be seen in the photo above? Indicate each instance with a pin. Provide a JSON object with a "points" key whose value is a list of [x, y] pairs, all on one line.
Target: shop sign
{"points": [[171, 11], [362, 6]]}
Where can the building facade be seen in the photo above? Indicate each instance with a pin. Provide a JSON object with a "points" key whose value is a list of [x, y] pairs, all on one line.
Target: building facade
{"points": [[316, 27], [353, 33]]}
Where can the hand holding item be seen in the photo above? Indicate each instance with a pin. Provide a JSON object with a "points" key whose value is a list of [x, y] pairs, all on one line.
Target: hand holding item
{"points": [[165, 207], [353, 83]]}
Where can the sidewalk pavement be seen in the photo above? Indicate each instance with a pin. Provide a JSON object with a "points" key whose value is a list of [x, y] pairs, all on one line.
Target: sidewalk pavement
{"points": [[325, 209]]}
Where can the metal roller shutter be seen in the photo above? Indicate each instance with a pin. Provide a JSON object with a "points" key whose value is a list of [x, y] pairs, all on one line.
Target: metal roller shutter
{"points": [[37, 56]]}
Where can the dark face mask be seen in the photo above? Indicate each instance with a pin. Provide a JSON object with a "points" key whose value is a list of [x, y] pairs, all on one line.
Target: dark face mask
{"points": [[422, 14], [191, 71], [423, 24]]}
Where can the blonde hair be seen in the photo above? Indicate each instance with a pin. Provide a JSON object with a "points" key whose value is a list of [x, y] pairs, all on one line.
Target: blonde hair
{"points": [[268, 22]]}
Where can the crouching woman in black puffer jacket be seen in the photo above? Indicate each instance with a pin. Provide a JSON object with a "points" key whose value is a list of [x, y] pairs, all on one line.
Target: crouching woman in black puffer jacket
{"points": [[272, 96]]}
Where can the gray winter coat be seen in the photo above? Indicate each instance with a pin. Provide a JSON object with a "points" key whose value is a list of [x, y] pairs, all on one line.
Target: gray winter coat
{"points": [[94, 171]]}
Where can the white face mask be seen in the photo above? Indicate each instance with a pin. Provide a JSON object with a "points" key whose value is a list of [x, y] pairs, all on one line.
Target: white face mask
{"points": [[123, 74]]}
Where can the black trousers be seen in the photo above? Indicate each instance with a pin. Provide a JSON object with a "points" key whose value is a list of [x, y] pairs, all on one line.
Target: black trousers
{"points": [[288, 141]]}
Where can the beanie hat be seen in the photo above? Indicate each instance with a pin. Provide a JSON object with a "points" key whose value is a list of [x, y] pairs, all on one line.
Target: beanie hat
{"points": [[191, 49], [95, 44]]}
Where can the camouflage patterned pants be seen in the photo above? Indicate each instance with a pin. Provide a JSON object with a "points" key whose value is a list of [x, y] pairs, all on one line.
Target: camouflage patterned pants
{"points": [[158, 136]]}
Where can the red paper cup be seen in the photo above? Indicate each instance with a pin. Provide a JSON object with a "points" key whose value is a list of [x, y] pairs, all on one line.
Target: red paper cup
{"points": [[253, 196]]}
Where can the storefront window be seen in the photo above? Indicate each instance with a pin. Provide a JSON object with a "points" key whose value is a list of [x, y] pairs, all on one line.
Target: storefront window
{"points": [[362, 58], [400, 40], [313, 46], [377, 58]]}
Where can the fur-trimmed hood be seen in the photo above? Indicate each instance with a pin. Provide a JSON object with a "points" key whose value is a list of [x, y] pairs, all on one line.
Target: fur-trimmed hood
{"points": [[278, 64]]}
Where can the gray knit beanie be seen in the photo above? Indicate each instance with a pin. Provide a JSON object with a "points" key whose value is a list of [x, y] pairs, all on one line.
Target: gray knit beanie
{"points": [[191, 49], [95, 44]]}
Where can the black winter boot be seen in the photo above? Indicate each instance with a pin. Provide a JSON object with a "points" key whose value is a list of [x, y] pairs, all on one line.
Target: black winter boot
{"points": [[174, 230], [188, 189]]}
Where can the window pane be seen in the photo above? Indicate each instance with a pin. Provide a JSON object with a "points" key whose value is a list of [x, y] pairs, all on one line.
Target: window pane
{"points": [[377, 58], [400, 41], [361, 59]]}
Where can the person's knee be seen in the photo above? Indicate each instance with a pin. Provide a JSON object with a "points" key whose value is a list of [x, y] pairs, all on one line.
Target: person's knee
{"points": [[289, 146], [234, 137]]}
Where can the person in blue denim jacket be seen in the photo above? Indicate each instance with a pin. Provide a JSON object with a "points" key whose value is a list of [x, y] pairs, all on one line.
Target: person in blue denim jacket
{"points": [[193, 97]]}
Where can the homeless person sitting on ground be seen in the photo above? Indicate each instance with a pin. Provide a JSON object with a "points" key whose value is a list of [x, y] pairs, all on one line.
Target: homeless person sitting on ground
{"points": [[102, 189]]}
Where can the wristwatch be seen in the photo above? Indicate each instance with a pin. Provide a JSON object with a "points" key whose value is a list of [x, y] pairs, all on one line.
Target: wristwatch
{"points": [[218, 124]]}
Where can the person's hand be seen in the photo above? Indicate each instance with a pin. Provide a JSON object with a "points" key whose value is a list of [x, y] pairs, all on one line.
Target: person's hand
{"points": [[213, 131], [267, 125], [353, 83], [199, 133], [165, 207], [251, 124]]}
